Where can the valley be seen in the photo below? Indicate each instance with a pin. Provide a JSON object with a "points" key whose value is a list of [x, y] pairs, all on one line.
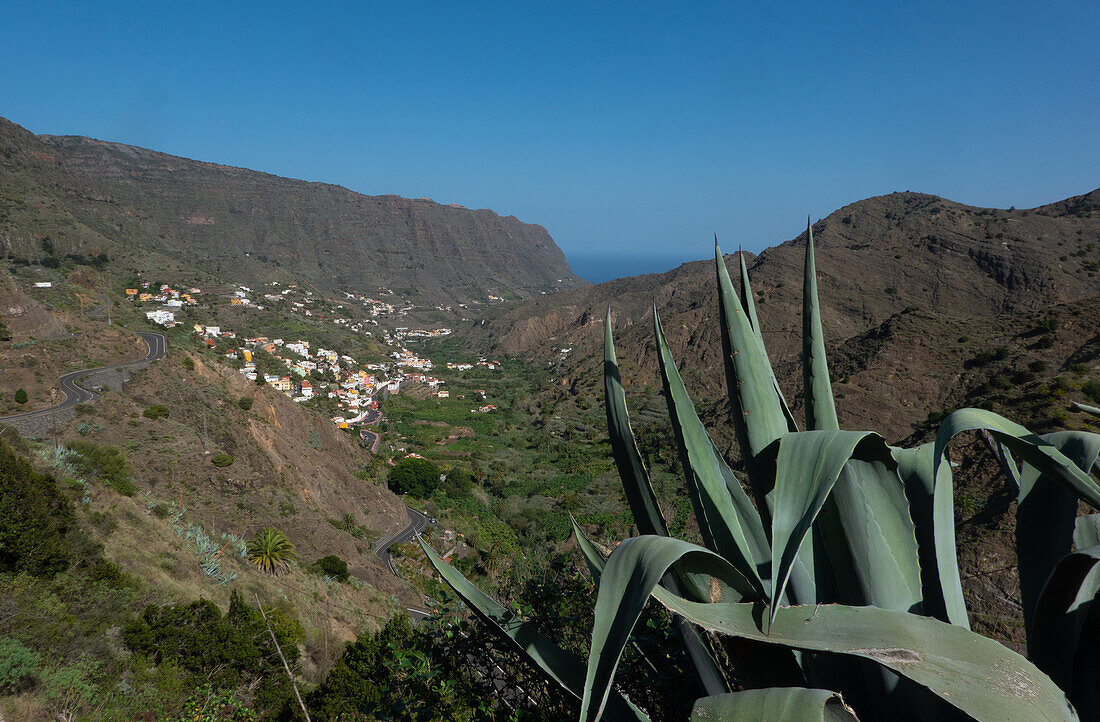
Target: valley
{"points": [[313, 385]]}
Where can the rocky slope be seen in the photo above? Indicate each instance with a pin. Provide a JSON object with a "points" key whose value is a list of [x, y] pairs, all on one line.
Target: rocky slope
{"points": [[912, 286], [146, 208]]}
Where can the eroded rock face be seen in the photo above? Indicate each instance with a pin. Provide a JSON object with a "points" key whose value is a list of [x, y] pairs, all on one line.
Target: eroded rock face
{"points": [[92, 196], [24, 316]]}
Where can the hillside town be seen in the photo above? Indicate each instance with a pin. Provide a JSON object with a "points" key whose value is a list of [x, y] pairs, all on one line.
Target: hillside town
{"points": [[305, 371]]}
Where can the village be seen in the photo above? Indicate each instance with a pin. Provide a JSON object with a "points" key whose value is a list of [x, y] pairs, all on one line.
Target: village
{"points": [[305, 371]]}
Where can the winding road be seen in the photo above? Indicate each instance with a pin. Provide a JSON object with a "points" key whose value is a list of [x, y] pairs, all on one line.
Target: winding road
{"points": [[373, 416], [75, 394], [418, 522]]}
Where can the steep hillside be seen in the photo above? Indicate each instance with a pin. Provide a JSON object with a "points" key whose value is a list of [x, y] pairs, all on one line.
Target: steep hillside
{"points": [[87, 197], [911, 285]]}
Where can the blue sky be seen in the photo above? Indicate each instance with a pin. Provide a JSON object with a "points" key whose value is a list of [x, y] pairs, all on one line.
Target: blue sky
{"points": [[632, 130]]}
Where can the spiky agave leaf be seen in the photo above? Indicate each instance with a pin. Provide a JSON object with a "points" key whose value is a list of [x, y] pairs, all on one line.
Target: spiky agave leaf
{"points": [[749, 304], [1064, 627], [775, 704], [932, 508], [818, 389], [702, 657], [755, 409], [971, 673], [628, 460], [623, 592], [559, 666], [727, 520], [976, 675], [881, 544], [1031, 448], [645, 509], [271, 552], [1045, 514]]}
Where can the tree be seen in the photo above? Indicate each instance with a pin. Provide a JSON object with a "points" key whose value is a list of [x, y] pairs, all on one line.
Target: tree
{"points": [[37, 524], [411, 475], [20, 396], [331, 566], [271, 552]]}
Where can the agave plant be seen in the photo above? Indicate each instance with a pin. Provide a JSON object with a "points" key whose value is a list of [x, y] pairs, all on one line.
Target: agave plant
{"points": [[271, 552], [838, 550]]}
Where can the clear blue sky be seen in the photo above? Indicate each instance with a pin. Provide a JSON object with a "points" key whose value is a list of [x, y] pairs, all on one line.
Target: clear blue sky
{"points": [[631, 130]]}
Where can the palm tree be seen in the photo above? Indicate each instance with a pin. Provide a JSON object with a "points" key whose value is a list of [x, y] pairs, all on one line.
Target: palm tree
{"points": [[271, 552]]}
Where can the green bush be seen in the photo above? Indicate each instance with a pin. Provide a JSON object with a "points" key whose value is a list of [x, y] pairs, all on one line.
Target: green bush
{"points": [[37, 520], [221, 460], [418, 477], [18, 664], [157, 411], [20, 396], [226, 651], [331, 566], [244, 403], [106, 463], [1091, 389]]}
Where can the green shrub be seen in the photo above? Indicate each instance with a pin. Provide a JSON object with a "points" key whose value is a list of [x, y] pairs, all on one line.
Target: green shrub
{"points": [[418, 477], [106, 463], [18, 664], [157, 411], [226, 651], [244, 403], [36, 522], [1038, 366], [221, 460], [331, 566], [20, 396], [1091, 389]]}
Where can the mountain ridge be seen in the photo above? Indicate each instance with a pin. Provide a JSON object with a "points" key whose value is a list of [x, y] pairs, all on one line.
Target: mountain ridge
{"points": [[90, 196]]}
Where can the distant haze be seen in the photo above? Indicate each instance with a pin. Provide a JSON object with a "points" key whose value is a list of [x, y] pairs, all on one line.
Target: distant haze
{"points": [[600, 267]]}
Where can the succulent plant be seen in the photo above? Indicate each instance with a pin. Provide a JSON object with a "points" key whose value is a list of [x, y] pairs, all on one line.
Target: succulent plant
{"points": [[839, 550]]}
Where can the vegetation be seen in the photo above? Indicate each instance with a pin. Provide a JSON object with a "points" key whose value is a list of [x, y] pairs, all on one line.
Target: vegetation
{"points": [[224, 651], [221, 460], [839, 521], [20, 396], [331, 566], [417, 477], [106, 463], [157, 411], [37, 524], [271, 552]]}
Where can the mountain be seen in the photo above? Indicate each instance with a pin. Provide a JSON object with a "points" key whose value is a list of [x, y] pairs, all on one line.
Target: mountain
{"points": [[154, 210], [912, 288]]}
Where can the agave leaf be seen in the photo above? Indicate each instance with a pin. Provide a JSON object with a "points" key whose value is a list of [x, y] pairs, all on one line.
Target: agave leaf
{"points": [[707, 667], [1065, 626], [756, 412], [727, 520], [776, 704], [808, 467], [1086, 531], [1087, 409], [820, 408], [749, 305], [558, 665], [628, 460], [974, 674], [1031, 448], [631, 573], [1045, 514], [932, 506]]}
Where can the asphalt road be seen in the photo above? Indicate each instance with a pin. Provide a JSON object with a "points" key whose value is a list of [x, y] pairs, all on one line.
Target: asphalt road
{"points": [[75, 394], [417, 523], [372, 437]]}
